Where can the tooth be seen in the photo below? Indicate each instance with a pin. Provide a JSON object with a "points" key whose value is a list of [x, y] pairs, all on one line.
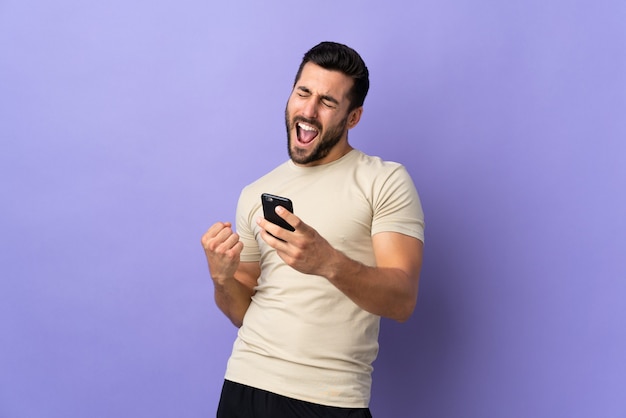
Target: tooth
{"points": [[306, 127]]}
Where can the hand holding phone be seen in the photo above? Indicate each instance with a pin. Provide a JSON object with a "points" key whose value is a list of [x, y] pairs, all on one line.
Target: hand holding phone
{"points": [[270, 202]]}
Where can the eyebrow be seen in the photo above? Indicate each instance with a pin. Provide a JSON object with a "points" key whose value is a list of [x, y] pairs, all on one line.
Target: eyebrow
{"points": [[323, 96]]}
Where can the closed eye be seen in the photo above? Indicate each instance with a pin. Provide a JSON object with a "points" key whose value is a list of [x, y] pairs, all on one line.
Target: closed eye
{"points": [[303, 92], [329, 103]]}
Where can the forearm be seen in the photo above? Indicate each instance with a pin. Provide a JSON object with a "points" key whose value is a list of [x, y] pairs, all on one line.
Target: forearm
{"points": [[234, 280], [233, 299], [389, 289], [385, 291]]}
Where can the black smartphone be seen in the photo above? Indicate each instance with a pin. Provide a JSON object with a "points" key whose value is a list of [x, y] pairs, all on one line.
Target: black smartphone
{"points": [[270, 202]]}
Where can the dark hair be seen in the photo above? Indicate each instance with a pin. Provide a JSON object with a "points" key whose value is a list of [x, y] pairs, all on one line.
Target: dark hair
{"points": [[339, 57]]}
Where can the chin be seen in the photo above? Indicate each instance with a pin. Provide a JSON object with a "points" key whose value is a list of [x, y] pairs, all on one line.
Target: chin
{"points": [[299, 155]]}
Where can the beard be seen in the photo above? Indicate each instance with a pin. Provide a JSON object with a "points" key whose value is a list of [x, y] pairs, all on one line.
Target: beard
{"points": [[325, 143]]}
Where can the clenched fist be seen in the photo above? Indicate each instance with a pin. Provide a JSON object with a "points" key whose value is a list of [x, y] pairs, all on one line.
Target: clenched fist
{"points": [[222, 248]]}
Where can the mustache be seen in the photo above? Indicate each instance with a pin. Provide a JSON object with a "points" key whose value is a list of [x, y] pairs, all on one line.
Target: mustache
{"points": [[311, 122]]}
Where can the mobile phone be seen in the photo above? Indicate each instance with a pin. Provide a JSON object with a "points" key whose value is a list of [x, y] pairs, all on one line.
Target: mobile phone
{"points": [[270, 202]]}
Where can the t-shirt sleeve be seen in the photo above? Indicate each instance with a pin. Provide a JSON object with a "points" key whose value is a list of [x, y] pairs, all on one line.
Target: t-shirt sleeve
{"points": [[245, 221], [397, 206]]}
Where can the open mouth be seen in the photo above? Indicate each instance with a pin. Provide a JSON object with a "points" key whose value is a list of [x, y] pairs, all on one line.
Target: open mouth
{"points": [[305, 132]]}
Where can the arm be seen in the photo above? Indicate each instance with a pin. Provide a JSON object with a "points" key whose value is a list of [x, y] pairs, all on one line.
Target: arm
{"points": [[389, 289], [234, 281]]}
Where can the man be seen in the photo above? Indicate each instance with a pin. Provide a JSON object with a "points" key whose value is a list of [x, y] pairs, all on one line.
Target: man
{"points": [[308, 302]]}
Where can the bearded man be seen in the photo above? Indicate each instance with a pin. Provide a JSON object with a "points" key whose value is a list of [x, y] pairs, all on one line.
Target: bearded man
{"points": [[308, 302]]}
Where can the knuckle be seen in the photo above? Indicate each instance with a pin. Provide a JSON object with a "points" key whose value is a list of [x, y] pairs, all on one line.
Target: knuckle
{"points": [[213, 246], [296, 223], [298, 253]]}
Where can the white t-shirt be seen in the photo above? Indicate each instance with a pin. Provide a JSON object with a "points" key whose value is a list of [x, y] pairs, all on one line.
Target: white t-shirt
{"points": [[301, 337]]}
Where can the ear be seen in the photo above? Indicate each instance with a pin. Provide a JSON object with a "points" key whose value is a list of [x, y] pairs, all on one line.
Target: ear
{"points": [[354, 117]]}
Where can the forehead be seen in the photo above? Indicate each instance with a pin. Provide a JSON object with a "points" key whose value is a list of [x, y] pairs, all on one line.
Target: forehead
{"points": [[324, 82]]}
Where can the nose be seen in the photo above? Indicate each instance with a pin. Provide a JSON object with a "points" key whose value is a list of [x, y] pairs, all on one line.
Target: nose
{"points": [[309, 107]]}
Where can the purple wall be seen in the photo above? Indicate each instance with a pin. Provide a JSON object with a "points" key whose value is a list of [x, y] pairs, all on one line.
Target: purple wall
{"points": [[127, 128]]}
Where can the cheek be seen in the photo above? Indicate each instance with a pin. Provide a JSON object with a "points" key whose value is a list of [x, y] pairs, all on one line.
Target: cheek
{"points": [[292, 104], [288, 113], [332, 122]]}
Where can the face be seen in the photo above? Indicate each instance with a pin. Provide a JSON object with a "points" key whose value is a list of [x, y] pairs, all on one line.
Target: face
{"points": [[317, 116]]}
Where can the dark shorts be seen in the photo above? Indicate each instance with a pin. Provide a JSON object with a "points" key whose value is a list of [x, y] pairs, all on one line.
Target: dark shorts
{"points": [[241, 401]]}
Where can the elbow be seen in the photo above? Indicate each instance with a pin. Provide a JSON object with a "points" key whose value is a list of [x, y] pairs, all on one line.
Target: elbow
{"points": [[402, 319], [406, 300], [404, 315], [236, 320], [405, 309]]}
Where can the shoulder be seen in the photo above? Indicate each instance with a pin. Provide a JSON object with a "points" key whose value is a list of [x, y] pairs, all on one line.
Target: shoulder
{"points": [[371, 161], [374, 168]]}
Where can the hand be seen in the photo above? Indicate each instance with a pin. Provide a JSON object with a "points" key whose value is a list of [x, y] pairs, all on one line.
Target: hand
{"points": [[222, 249], [303, 249]]}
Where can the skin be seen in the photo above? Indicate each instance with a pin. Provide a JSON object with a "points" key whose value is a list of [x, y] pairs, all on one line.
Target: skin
{"points": [[319, 99]]}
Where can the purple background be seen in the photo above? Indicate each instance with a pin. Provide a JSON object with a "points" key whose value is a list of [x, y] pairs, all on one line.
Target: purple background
{"points": [[127, 128]]}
